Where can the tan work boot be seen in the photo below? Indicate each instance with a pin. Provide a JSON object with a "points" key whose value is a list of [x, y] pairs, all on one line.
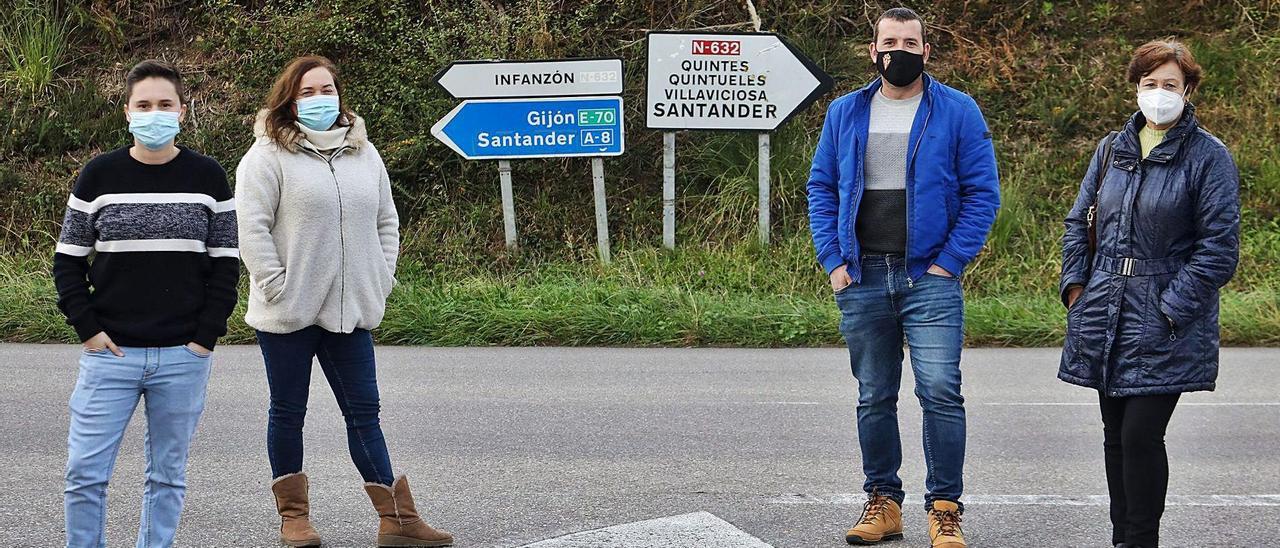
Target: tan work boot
{"points": [[295, 510], [944, 525], [881, 520], [400, 524]]}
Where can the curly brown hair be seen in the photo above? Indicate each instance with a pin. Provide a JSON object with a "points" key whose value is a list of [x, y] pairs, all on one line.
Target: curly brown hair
{"points": [[281, 113]]}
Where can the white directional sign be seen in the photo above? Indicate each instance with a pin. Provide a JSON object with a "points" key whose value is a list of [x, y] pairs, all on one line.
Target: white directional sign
{"points": [[727, 81], [556, 78]]}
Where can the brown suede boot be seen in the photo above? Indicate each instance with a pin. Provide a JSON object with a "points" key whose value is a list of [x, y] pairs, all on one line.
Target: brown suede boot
{"points": [[881, 521], [944, 525], [400, 524], [295, 510]]}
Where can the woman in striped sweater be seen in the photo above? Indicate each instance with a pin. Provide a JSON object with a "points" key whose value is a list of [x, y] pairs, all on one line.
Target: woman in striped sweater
{"points": [[146, 269]]}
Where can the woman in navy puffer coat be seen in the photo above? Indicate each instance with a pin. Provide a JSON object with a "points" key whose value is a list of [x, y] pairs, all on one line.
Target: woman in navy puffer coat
{"points": [[1142, 324]]}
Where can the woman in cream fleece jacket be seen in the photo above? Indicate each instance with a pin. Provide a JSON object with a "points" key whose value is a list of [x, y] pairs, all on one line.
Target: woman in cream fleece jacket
{"points": [[324, 231], [319, 235]]}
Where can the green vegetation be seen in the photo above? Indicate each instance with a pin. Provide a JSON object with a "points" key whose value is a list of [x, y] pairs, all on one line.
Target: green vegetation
{"points": [[1049, 75], [33, 46]]}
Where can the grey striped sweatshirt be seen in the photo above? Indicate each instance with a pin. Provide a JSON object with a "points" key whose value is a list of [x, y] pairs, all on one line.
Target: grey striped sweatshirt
{"points": [[148, 253]]}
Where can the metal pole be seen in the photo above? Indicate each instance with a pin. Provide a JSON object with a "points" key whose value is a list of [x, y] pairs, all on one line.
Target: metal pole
{"points": [[508, 204], [764, 154], [602, 212], [764, 189], [669, 190]]}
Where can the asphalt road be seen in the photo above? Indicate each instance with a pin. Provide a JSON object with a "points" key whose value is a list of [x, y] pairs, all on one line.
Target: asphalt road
{"points": [[507, 447]]}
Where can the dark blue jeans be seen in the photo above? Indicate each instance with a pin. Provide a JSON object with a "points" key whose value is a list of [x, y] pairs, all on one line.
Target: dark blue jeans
{"points": [[875, 316], [348, 364]]}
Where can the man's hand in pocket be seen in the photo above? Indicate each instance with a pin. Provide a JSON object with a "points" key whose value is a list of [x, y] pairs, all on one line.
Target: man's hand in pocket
{"points": [[840, 278]]}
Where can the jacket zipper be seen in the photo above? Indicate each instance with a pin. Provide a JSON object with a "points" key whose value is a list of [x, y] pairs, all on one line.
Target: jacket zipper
{"points": [[1133, 170], [906, 253], [342, 241], [1173, 328], [860, 182]]}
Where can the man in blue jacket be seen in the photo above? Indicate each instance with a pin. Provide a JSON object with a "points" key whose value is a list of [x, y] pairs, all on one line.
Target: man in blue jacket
{"points": [[902, 193]]}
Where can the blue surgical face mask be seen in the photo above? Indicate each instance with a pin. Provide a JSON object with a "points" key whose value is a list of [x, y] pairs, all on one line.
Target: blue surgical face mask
{"points": [[154, 129], [318, 112]]}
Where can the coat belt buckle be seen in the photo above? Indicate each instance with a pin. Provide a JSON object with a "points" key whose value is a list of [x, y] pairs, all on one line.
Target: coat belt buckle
{"points": [[1127, 266]]}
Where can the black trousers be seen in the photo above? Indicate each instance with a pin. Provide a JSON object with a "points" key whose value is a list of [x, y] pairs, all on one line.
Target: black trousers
{"points": [[1137, 466]]}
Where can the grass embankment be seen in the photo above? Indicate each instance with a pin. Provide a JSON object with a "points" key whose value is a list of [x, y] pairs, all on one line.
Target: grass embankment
{"points": [[644, 299]]}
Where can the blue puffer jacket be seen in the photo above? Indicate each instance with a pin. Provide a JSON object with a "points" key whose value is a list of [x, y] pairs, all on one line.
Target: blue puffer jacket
{"points": [[953, 189], [1168, 239]]}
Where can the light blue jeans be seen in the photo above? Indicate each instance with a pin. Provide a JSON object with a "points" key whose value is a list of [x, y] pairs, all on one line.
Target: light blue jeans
{"points": [[172, 383]]}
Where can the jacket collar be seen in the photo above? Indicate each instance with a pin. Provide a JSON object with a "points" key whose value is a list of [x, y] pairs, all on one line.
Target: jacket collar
{"points": [[1128, 144], [357, 135], [868, 91]]}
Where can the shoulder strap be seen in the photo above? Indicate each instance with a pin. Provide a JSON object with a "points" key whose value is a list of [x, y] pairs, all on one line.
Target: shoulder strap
{"points": [[1106, 156], [1097, 191]]}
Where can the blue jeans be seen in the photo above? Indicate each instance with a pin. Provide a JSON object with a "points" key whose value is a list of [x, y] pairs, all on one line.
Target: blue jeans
{"points": [[172, 383], [875, 316], [348, 364]]}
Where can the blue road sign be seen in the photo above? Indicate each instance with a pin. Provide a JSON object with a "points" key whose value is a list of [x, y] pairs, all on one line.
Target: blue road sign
{"points": [[533, 128]]}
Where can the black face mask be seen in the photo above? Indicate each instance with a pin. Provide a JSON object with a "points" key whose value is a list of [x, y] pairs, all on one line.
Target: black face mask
{"points": [[904, 66]]}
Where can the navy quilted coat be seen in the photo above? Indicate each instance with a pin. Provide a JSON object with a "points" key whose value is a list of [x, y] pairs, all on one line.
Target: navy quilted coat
{"points": [[1168, 239]]}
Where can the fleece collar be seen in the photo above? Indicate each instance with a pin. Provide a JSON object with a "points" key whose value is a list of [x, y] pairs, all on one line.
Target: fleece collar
{"points": [[356, 137]]}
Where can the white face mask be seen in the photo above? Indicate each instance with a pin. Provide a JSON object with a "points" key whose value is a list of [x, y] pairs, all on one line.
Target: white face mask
{"points": [[1160, 106]]}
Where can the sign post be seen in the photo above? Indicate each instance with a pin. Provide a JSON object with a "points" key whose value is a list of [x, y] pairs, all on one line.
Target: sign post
{"points": [[508, 204], [729, 81], [602, 210], [763, 179], [535, 109], [669, 189]]}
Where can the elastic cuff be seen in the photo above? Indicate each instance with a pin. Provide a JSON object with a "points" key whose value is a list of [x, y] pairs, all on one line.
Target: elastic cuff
{"points": [[953, 264], [207, 340], [273, 286], [87, 329], [1065, 288], [831, 262]]}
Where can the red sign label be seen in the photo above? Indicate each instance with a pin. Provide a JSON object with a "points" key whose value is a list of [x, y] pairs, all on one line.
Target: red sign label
{"points": [[717, 47]]}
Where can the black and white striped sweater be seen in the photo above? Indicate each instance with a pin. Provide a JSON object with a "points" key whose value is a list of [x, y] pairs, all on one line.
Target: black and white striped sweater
{"points": [[162, 238]]}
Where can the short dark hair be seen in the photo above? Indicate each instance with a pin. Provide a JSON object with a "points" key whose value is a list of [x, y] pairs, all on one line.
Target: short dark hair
{"points": [[902, 15], [1149, 56], [153, 68]]}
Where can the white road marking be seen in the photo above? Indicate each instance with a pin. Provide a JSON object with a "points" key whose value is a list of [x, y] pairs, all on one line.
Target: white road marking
{"points": [[789, 402], [1041, 500], [695, 530], [1095, 404]]}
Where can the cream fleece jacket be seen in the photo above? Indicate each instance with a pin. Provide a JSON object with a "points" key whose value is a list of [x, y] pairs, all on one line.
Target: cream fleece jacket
{"points": [[319, 233]]}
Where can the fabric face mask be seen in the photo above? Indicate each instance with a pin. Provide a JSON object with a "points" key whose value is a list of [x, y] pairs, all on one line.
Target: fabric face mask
{"points": [[904, 66], [154, 129], [318, 112], [1160, 106]]}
